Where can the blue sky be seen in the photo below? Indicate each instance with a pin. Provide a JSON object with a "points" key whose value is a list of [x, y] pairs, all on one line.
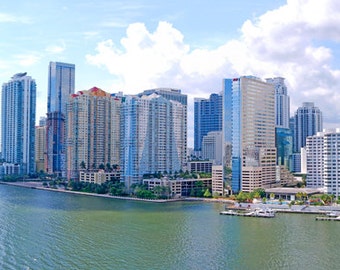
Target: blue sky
{"points": [[134, 45]]}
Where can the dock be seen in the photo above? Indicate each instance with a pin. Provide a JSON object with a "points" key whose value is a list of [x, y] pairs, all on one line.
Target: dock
{"points": [[328, 218], [235, 213]]}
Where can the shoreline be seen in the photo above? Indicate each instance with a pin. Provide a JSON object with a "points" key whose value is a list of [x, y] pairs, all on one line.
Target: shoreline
{"points": [[229, 204], [38, 186]]}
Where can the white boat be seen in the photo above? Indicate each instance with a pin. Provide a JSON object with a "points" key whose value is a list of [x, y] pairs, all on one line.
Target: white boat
{"points": [[332, 214], [258, 212], [264, 212]]}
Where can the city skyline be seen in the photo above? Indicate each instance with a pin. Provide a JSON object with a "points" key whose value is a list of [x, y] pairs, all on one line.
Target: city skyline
{"points": [[144, 45]]}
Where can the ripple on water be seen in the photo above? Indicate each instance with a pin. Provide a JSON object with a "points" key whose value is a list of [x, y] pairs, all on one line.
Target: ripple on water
{"points": [[47, 230]]}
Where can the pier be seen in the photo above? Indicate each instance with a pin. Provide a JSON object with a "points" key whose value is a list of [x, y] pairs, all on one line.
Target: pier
{"points": [[328, 218]]}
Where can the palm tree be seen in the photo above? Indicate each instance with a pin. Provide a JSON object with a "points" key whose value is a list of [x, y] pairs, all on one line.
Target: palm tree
{"points": [[83, 165], [108, 167]]}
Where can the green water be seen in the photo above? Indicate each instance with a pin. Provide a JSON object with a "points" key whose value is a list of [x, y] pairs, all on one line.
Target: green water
{"points": [[50, 230]]}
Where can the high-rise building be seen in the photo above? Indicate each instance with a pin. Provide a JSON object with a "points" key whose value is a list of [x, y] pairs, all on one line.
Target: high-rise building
{"points": [[226, 121], [212, 147], [60, 86], [172, 94], [284, 136], [282, 102], [252, 132], [314, 155], [168, 93], [153, 136], [331, 160], [18, 107], [323, 161], [207, 117], [92, 131], [284, 146], [307, 122], [40, 145]]}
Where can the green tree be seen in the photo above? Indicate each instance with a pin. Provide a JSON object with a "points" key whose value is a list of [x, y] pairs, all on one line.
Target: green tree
{"points": [[243, 197], [145, 194], [259, 193], [117, 189], [207, 193]]}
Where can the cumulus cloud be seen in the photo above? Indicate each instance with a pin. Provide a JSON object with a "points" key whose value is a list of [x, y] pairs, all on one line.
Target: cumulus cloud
{"points": [[293, 41]]}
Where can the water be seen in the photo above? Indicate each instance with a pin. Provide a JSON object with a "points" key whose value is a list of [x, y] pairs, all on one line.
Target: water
{"points": [[50, 230]]}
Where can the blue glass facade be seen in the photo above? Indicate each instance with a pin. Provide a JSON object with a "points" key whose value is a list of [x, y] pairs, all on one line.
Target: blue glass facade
{"points": [[232, 127], [207, 117], [284, 146], [236, 135], [227, 109], [308, 121], [60, 86]]}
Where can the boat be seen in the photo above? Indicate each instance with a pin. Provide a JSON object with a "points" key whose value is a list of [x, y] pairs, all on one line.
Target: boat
{"points": [[332, 214], [258, 212], [328, 218], [264, 212]]}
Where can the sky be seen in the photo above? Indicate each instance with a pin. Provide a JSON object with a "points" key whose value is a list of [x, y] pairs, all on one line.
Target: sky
{"points": [[191, 45]]}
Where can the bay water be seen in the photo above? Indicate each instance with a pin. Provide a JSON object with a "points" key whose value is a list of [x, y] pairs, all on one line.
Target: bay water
{"points": [[51, 230]]}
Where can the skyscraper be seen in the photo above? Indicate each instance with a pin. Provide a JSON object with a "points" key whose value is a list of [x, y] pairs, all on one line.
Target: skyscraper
{"points": [[60, 87], [284, 137], [323, 163], [282, 102], [252, 133], [92, 131], [307, 122], [181, 124], [207, 117], [315, 155], [331, 161], [40, 145], [18, 122], [212, 147], [153, 136]]}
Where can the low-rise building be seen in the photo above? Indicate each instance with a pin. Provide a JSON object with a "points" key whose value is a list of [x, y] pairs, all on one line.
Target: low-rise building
{"points": [[178, 187], [217, 186], [198, 166], [98, 177], [10, 169]]}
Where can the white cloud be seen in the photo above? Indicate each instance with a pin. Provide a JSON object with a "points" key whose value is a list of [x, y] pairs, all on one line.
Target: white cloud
{"points": [[292, 41], [56, 49], [91, 34], [27, 60], [9, 18]]}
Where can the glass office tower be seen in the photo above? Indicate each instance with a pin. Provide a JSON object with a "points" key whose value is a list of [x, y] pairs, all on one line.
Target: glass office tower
{"points": [[60, 86], [252, 132]]}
